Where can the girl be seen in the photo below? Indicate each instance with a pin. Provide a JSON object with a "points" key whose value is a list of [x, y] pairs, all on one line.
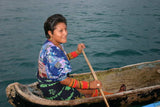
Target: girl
{"points": [[54, 65]]}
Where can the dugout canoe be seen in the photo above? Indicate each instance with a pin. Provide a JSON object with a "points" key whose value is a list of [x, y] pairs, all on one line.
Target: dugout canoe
{"points": [[142, 81]]}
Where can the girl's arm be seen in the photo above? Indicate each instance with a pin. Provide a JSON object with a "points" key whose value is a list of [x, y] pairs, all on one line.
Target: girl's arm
{"points": [[74, 54], [71, 82]]}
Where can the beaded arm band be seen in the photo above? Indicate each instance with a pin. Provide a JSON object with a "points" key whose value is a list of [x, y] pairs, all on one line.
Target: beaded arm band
{"points": [[73, 54], [79, 84]]}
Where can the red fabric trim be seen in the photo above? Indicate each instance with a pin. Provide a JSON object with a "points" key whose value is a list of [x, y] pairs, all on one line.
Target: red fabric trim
{"points": [[95, 94], [44, 75]]}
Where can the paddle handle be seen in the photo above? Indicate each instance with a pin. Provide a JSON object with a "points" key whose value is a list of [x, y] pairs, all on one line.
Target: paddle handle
{"points": [[95, 77], [89, 64]]}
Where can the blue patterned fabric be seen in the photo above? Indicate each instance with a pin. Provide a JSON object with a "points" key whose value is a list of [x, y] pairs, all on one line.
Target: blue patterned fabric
{"points": [[53, 63]]}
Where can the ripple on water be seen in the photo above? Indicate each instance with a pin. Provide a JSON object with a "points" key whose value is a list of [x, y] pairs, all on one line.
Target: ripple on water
{"points": [[155, 50], [27, 64], [114, 35], [126, 52], [157, 42]]}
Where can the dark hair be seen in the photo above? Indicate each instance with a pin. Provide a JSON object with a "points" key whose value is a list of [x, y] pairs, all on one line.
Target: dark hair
{"points": [[52, 21]]}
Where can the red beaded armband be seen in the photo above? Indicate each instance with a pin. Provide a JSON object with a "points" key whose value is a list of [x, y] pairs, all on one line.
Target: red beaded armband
{"points": [[74, 54], [84, 84], [73, 83]]}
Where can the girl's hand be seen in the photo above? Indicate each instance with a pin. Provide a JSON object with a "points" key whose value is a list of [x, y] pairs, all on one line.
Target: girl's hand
{"points": [[95, 84], [80, 47]]}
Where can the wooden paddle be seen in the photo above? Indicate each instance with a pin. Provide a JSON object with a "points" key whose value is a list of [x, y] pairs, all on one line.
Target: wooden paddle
{"points": [[95, 77]]}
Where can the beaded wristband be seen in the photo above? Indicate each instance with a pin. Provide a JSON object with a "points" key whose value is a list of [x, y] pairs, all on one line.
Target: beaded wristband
{"points": [[84, 84], [75, 83], [71, 83], [74, 54]]}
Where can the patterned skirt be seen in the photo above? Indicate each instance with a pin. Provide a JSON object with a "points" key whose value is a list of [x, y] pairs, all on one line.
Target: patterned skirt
{"points": [[57, 91]]}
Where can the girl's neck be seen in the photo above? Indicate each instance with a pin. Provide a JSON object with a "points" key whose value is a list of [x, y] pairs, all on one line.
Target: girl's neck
{"points": [[56, 43]]}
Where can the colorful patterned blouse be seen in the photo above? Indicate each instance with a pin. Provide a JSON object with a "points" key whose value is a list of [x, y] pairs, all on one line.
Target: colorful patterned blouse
{"points": [[53, 63]]}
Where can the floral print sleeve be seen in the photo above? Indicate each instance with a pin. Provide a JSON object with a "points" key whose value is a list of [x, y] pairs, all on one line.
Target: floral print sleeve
{"points": [[53, 63]]}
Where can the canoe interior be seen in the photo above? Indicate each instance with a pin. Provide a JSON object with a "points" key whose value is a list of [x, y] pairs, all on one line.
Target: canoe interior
{"points": [[133, 76]]}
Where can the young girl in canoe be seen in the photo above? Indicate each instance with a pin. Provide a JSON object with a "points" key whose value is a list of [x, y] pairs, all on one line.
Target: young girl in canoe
{"points": [[54, 66]]}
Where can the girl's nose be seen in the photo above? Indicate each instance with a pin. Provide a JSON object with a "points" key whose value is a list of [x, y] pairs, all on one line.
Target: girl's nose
{"points": [[66, 32]]}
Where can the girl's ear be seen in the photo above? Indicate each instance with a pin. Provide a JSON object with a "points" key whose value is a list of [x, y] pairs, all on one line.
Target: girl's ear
{"points": [[50, 34]]}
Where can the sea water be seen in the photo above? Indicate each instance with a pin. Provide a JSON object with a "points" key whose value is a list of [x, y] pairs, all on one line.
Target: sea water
{"points": [[116, 33]]}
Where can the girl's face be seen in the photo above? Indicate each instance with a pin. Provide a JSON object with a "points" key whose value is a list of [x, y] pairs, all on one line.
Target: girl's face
{"points": [[59, 34]]}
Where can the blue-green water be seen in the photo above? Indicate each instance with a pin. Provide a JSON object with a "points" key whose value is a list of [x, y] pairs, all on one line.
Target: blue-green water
{"points": [[116, 33]]}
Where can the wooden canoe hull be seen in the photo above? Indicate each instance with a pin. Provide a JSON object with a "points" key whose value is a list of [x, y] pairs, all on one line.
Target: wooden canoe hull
{"points": [[142, 81]]}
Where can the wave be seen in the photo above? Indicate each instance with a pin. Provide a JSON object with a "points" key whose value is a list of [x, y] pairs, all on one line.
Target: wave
{"points": [[100, 54], [27, 64], [99, 14], [25, 80], [158, 42], [155, 50], [114, 35], [94, 31], [126, 52]]}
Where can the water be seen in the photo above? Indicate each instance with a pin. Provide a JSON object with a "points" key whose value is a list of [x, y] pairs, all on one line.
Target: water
{"points": [[116, 33]]}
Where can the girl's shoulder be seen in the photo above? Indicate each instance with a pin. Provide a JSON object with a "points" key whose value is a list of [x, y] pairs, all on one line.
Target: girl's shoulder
{"points": [[49, 45]]}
